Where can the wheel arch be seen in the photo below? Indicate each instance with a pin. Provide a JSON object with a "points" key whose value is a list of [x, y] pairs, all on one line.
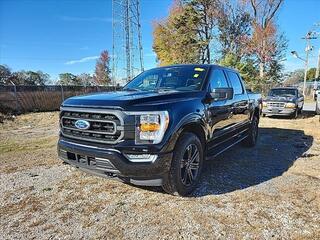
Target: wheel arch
{"points": [[194, 125]]}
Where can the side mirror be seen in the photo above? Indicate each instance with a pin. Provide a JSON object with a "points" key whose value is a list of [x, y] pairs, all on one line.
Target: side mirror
{"points": [[221, 93]]}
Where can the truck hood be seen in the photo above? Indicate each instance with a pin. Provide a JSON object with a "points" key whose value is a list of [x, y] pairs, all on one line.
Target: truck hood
{"points": [[279, 99], [125, 99]]}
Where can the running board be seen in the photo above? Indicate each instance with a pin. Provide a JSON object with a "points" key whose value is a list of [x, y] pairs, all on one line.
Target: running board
{"points": [[214, 154]]}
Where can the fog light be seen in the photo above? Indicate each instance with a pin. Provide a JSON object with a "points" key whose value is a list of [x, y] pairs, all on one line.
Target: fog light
{"points": [[141, 157]]}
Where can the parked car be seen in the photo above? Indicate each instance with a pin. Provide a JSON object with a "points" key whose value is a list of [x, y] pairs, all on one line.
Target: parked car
{"points": [[161, 127], [285, 101]]}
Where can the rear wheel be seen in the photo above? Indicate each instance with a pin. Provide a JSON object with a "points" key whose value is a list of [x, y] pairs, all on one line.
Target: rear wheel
{"points": [[253, 133], [186, 166], [295, 114], [317, 108]]}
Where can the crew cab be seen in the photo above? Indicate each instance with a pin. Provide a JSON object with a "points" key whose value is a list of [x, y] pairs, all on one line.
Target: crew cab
{"points": [[284, 101], [161, 127]]}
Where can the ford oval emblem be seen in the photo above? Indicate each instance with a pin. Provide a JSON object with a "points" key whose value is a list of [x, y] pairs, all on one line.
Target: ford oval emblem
{"points": [[82, 124]]}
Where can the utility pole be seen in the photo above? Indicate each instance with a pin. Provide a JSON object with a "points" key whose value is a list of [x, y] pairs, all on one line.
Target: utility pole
{"points": [[318, 66], [308, 37]]}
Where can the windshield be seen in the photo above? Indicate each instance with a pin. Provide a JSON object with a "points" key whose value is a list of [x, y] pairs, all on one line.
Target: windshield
{"points": [[282, 92], [177, 78]]}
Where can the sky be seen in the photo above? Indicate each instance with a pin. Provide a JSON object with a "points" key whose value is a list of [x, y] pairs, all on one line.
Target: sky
{"points": [[68, 35]]}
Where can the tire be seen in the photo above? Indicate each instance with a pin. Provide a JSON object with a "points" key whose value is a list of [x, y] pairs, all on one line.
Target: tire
{"points": [[317, 108], [295, 114], [252, 137], [263, 115], [187, 162]]}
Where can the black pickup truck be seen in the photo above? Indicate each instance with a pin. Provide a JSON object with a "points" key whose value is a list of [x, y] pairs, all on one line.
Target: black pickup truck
{"points": [[159, 129]]}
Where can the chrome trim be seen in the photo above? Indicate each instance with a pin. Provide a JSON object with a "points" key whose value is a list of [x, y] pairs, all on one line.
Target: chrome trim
{"points": [[144, 112], [276, 104], [91, 110], [117, 113], [91, 106], [89, 119], [91, 131], [93, 140]]}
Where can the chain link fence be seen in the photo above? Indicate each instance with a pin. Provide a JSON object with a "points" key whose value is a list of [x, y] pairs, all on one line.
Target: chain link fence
{"points": [[23, 98]]}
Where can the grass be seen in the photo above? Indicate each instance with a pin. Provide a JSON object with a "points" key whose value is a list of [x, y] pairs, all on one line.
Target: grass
{"points": [[16, 145]]}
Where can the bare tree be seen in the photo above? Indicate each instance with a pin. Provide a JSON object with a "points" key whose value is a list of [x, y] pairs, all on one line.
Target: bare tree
{"points": [[264, 29]]}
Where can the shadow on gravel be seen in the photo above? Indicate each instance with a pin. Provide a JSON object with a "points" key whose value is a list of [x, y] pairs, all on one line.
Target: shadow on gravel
{"points": [[241, 167]]}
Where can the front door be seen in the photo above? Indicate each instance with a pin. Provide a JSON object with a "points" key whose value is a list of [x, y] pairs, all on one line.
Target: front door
{"points": [[219, 112], [240, 102]]}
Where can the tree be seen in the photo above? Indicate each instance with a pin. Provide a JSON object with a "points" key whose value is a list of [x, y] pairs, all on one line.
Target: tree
{"points": [[30, 78], [69, 79], [5, 74], [234, 25], [86, 79], [206, 12], [311, 74], [102, 72], [175, 38], [294, 78], [264, 40], [246, 68]]}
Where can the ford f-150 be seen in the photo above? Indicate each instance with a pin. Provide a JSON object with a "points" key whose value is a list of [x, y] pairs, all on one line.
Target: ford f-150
{"points": [[161, 127]]}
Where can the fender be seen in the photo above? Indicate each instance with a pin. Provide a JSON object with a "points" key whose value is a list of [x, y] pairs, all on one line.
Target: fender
{"points": [[192, 118]]}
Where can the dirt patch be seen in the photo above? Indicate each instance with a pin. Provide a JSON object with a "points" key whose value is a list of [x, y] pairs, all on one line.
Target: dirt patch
{"points": [[270, 191]]}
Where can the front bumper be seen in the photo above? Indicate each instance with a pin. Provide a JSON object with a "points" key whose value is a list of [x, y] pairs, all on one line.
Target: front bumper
{"points": [[278, 111], [111, 163]]}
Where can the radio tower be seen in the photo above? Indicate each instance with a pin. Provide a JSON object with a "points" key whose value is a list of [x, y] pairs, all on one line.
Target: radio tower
{"points": [[127, 51]]}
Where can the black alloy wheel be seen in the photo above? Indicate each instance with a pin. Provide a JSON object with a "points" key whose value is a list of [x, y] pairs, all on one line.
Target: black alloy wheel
{"points": [[186, 165]]}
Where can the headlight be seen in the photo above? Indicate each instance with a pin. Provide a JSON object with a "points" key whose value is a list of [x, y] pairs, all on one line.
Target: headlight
{"points": [[264, 104], [290, 105], [150, 126]]}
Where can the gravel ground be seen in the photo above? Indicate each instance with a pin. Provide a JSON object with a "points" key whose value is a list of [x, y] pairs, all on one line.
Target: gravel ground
{"points": [[270, 191]]}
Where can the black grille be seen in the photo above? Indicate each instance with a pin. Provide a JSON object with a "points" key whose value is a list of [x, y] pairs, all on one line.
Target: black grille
{"points": [[104, 127]]}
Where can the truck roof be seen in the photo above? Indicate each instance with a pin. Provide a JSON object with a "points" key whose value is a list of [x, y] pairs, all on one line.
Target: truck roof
{"points": [[199, 65]]}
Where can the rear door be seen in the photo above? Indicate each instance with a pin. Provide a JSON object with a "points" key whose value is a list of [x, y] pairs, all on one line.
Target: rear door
{"points": [[240, 102]]}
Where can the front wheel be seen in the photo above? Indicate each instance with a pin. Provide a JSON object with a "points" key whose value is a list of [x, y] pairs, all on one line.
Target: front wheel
{"points": [[295, 114], [186, 166], [251, 139]]}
